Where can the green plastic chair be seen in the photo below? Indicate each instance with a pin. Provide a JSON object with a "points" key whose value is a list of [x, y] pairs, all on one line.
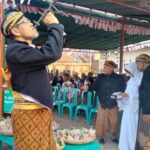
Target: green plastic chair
{"points": [[85, 107], [94, 109], [58, 85], [93, 98], [60, 101], [8, 140], [71, 105], [8, 106], [55, 93]]}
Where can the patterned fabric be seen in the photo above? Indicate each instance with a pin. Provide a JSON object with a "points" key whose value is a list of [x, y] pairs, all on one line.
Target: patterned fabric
{"points": [[107, 121], [33, 129], [143, 134]]}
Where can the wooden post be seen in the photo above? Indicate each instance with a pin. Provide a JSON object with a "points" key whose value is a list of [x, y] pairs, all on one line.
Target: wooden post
{"points": [[1, 58]]}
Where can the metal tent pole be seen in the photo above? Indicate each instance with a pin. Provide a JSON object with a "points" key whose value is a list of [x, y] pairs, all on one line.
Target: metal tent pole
{"points": [[98, 13], [122, 46], [88, 10]]}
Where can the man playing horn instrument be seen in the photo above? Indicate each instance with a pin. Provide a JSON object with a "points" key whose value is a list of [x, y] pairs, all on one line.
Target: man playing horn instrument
{"points": [[32, 115]]}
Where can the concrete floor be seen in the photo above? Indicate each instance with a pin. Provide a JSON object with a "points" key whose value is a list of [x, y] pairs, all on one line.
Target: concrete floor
{"points": [[66, 123]]}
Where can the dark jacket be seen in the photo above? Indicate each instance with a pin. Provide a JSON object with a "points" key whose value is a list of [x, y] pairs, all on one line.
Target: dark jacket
{"points": [[105, 86], [144, 92], [28, 65]]}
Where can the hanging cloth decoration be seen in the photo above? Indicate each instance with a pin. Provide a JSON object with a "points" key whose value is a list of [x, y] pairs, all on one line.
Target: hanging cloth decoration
{"points": [[109, 25], [23, 8], [6, 6], [30, 9], [22, 1], [29, 1], [11, 4]]}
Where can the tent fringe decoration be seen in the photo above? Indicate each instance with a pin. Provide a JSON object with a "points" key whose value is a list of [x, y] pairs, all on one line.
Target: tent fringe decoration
{"points": [[100, 23]]}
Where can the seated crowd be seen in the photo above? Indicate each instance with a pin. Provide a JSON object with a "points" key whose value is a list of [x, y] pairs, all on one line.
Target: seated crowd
{"points": [[71, 82]]}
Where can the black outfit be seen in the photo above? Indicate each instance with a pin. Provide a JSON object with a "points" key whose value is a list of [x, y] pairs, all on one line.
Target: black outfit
{"points": [[144, 98], [105, 86], [28, 65], [55, 81], [144, 92], [91, 79]]}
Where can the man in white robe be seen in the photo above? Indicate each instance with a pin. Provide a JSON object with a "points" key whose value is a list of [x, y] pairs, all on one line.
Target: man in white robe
{"points": [[130, 106]]}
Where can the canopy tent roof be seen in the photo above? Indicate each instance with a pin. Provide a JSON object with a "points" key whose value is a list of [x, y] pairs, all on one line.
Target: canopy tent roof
{"points": [[139, 9], [85, 37]]}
